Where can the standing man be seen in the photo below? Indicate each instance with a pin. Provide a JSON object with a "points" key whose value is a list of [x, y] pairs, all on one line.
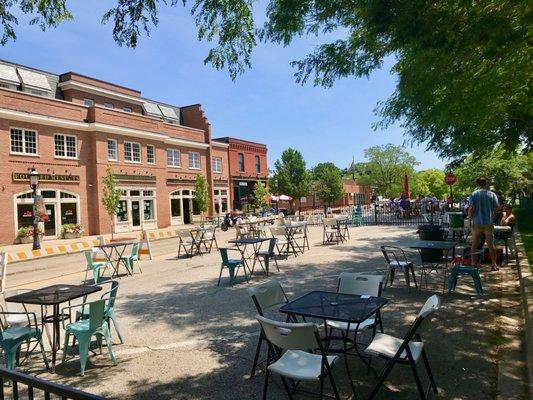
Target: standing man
{"points": [[483, 204]]}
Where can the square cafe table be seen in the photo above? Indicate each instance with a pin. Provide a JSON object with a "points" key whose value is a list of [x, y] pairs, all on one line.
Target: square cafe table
{"points": [[256, 244], [117, 248], [53, 296], [427, 250], [349, 308]]}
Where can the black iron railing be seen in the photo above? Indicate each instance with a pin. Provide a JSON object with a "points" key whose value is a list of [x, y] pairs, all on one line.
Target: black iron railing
{"points": [[25, 386]]}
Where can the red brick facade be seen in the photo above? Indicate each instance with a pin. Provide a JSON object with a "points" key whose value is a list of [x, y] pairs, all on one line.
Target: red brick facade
{"points": [[158, 182]]}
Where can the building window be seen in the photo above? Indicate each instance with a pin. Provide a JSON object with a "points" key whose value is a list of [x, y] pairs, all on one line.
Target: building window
{"points": [[148, 209], [150, 154], [257, 164], [132, 152], [173, 158], [112, 154], [127, 109], [241, 162], [109, 105], [8, 86], [23, 141], [217, 164], [194, 160], [65, 146], [88, 102]]}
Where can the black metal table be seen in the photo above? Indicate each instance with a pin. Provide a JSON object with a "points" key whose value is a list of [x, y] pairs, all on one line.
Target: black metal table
{"points": [[256, 244], [53, 296], [349, 308], [117, 248], [433, 251]]}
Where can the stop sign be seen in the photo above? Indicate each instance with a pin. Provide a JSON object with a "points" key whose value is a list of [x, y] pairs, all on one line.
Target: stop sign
{"points": [[450, 179]]}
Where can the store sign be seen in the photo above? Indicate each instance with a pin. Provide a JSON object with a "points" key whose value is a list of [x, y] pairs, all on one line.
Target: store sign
{"points": [[134, 178], [25, 177], [243, 183], [27, 214]]}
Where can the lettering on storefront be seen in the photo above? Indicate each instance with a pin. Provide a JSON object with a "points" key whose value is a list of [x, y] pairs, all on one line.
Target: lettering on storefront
{"points": [[174, 181], [134, 178], [23, 176]]}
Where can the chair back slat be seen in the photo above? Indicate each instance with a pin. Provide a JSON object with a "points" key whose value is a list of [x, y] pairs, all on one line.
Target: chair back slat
{"points": [[267, 295], [224, 255], [357, 284], [89, 257], [135, 250], [427, 311], [290, 336], [278, 231], [96, 314], [184, 234], [111, 295], [271, 246]]}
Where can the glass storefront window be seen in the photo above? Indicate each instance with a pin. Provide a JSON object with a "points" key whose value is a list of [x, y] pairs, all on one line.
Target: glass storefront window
{"points": [[135, 192], [175, 207], [69, 213], [122, 211], [48, 194], [148, 209], [25, 215]]}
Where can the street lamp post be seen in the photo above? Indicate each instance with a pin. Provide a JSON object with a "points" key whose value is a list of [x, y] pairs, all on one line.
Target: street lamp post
{"points": [[313, 186], [34, 182]]}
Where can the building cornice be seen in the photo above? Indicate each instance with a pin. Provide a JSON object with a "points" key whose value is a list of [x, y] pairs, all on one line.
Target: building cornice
{"points": [[70, 84], [219, 144], [96, 127]]}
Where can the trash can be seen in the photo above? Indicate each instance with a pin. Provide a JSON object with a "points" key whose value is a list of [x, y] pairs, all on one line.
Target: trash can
{"points": [[431, 232]]}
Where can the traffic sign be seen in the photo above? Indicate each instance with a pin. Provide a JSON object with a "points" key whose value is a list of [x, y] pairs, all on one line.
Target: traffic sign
{"points": [[450, 179]]}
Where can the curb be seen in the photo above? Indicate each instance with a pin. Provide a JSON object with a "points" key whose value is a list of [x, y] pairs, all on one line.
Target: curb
{"points": [[526, 291]]}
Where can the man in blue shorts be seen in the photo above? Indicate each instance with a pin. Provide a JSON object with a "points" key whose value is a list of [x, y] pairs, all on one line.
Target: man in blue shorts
{"points": [[483, 204]]}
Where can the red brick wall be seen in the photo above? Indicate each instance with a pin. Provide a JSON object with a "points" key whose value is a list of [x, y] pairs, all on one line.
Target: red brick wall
{"points": [[98, 83], [78, 97]]}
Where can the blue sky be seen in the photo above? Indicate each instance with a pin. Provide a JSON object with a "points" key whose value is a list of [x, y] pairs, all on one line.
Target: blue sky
{"points": [[265, 104]]}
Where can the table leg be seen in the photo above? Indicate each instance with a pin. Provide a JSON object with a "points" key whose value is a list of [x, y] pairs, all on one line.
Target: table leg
{"points": [[120, 255], [55, 336]]}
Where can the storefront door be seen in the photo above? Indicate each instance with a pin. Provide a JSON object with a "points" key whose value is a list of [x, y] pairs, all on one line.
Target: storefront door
{"points": [[187, 211], [135, 213], [50, 225]]}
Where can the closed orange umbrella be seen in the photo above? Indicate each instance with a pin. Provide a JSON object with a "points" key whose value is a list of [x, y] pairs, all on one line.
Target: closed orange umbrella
{"points": [[405, 185]]}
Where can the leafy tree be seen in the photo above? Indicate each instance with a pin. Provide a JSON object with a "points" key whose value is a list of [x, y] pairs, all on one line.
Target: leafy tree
{"points": [[201, 193], [328, 180], [429, 181], [464, 68], [507, 172], [290, 175], [110, 197], [386, 167], [259, 195]]}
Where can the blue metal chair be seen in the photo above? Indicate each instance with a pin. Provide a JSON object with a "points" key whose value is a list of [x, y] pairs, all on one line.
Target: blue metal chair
{"points": [[94, 266], [465, 270], [232, 264], [129, 260]]}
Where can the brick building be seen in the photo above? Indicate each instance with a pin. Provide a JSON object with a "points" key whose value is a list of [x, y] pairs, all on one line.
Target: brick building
{"points": [[247, 165], [71, 128], [354, 194]]}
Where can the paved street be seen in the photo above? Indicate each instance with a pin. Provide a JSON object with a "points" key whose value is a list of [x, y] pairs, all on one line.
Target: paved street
{"points": [[186, 338]]}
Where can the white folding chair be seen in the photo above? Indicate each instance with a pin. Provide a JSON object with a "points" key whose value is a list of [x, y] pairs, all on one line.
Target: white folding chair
{"points": [[289, 356], [186, 242], [407, 350]]}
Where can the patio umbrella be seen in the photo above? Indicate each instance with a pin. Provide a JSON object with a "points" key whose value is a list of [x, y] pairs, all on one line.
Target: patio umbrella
{"points": [[405, 186], [284, 197], [272, 198]]}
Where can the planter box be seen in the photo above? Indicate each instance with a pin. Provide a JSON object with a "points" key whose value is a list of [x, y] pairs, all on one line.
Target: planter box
{"points": [[71, 236], [26, 240]]}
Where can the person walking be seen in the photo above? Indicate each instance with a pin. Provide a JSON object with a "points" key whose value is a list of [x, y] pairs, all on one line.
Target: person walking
{"points": [[483, 204]]}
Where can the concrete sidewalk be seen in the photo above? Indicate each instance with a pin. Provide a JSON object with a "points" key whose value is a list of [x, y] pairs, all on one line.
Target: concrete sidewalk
{"points": [[186, 338]]}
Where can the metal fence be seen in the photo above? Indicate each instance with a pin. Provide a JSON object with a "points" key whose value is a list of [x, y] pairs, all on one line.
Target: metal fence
{"points": [[29, 387], [378, 214]]}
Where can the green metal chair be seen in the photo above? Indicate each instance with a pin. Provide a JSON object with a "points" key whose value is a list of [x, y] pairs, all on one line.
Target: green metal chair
{"points": [[357, 216], [12, 338], [232, 265], [94, 266], [465, 270], [129, 260], [85, 329], [109, 312]]}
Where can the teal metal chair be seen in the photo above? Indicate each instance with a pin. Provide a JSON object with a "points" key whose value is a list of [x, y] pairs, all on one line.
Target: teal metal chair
{"points": [[357, 216], [85, 329], [94, 266], [465, 270], [232, 264], [109, 312], [129, 260], [12, 338]]}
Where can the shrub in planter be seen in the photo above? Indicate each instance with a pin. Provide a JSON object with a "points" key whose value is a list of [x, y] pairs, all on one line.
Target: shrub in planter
{"points": [[25, 234], [71, 231]]}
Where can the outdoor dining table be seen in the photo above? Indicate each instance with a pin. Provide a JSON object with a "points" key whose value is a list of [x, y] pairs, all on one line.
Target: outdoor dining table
{"points": [[53, 296], [291, 228], [113, 252], [334, 306], [256, 244]]}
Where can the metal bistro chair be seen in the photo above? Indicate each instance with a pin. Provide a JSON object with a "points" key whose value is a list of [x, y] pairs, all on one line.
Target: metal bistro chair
{"points": [[186, 242], [109, 311], [209, 237], [280, 234], [289, 357], [396, 259], [85, 329], [232, 264], [407, 350], [269, 254], [129, 260], [94, 266], [266, 296]]}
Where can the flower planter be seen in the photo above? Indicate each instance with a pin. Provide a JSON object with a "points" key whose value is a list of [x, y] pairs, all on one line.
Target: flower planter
{"points": [[26, 240], [71, 235]]}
